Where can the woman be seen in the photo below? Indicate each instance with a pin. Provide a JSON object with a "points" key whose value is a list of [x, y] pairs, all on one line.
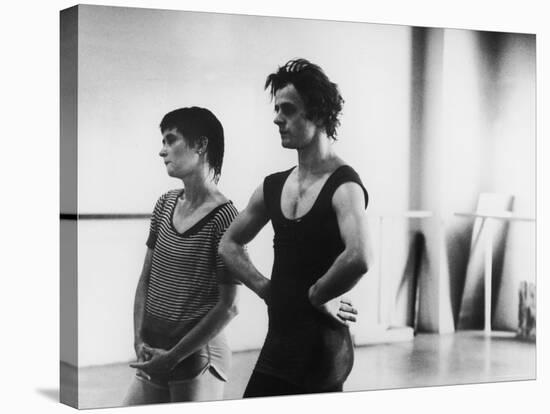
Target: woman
{"points": [[185, 296]]}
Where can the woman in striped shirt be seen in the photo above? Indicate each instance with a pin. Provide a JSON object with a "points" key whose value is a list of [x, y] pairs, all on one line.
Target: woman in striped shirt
{"points": [[185, 297]]}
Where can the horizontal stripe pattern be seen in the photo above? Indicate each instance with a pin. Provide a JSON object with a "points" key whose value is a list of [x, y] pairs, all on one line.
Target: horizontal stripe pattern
{"points": [[186, 268]]}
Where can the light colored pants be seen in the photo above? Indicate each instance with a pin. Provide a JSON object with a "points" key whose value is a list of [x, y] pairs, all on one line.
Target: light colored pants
{"points": [[207, 386]]}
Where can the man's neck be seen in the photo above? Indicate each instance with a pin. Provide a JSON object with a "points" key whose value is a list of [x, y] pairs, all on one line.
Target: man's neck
{"points": [[317, 157]]}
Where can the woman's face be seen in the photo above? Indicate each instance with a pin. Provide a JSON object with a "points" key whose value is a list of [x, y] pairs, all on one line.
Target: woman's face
{"points": [[178, 155]]}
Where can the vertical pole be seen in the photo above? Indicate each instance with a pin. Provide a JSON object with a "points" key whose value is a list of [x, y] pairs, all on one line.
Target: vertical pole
{"points": [[441, 263], [488, 273], [380, 248]]}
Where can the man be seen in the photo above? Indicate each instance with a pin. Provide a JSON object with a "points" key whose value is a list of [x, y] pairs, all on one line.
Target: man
{"points": [[320, 242]]}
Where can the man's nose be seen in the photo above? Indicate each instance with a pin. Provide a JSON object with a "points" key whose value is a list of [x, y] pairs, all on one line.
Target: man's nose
{"points": [[162, 151], [278, 120]]}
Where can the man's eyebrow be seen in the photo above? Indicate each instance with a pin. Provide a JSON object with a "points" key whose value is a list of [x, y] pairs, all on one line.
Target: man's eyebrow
{"points": [[284, 104]]}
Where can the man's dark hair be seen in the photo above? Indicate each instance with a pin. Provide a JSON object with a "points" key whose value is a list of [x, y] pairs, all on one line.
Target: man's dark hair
{"points": [[194, 123], [321, 97]]}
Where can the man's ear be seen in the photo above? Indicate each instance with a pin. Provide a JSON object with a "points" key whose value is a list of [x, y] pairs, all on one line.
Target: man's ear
{"points": [[319, 123], [202, 144]]}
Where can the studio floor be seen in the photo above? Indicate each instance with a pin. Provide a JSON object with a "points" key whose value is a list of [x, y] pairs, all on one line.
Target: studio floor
{"points": [[429, 359]]}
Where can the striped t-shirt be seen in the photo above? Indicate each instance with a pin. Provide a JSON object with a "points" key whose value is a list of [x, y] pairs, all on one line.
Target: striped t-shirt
{"points": [[186, 267]]}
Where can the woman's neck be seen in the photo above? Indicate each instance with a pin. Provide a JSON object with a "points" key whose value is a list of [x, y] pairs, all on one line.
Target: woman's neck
{"points": [[199, 188]]}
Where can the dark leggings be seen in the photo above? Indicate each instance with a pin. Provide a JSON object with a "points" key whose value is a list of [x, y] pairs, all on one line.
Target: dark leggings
{"points": [[263, 385]]}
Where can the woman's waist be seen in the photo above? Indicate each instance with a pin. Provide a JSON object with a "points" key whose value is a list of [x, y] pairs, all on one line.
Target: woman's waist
{"points": [[165, 333], [176, 315]]}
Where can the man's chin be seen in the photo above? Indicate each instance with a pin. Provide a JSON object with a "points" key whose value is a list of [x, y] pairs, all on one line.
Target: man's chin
{"points": [[286, 144]]}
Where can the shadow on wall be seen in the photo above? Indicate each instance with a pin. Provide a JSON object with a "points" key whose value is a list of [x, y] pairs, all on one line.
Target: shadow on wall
{"points": [[406, 301], [463, 258], [471, 312], [458, 242], [491, 47]]}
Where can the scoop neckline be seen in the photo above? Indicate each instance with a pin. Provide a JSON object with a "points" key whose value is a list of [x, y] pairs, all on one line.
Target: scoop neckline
{"points": [[199, 224], [313, 206]]}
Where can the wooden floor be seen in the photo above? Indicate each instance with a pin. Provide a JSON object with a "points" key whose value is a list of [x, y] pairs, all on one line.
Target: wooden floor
{"points": [[429, 359]]}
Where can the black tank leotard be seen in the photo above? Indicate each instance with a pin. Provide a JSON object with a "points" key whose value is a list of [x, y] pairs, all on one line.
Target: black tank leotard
{"points": [[303, 345]]}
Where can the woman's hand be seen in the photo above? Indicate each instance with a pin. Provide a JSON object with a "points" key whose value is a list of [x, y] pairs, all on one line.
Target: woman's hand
{"points": [[159, 361], [141, 352]]}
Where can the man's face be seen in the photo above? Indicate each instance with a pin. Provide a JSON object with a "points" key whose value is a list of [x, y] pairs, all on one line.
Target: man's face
{"points": [[290, 116]]}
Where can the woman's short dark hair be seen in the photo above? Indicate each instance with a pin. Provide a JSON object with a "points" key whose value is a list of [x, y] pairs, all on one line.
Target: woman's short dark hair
{"points": [[321, 97], [194, 123]]}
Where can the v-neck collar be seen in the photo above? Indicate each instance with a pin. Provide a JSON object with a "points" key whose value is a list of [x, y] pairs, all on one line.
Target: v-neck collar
{"points": [[199, 224]]}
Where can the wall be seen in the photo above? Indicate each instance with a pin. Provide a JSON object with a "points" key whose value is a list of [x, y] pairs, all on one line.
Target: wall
{"points": [[138, 64], [477, 136], [511, 111]]}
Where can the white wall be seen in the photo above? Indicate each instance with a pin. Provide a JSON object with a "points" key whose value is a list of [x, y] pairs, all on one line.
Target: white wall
{"points": [[478, 136], [453, 159], [513, 143], [138, 64]]}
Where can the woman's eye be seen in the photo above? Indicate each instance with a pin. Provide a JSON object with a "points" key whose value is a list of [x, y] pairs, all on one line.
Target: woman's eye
{"points": [[169, 141]]}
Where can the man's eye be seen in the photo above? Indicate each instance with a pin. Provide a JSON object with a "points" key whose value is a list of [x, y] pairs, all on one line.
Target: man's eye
{"points": [[288, 110]]}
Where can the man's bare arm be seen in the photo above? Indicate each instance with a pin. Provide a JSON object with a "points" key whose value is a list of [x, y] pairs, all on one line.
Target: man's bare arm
{"points": [[232, 246], [352, 263]]}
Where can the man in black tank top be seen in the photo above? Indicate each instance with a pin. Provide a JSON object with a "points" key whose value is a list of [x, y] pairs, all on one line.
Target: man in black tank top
{"points": [[320, 242]]}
